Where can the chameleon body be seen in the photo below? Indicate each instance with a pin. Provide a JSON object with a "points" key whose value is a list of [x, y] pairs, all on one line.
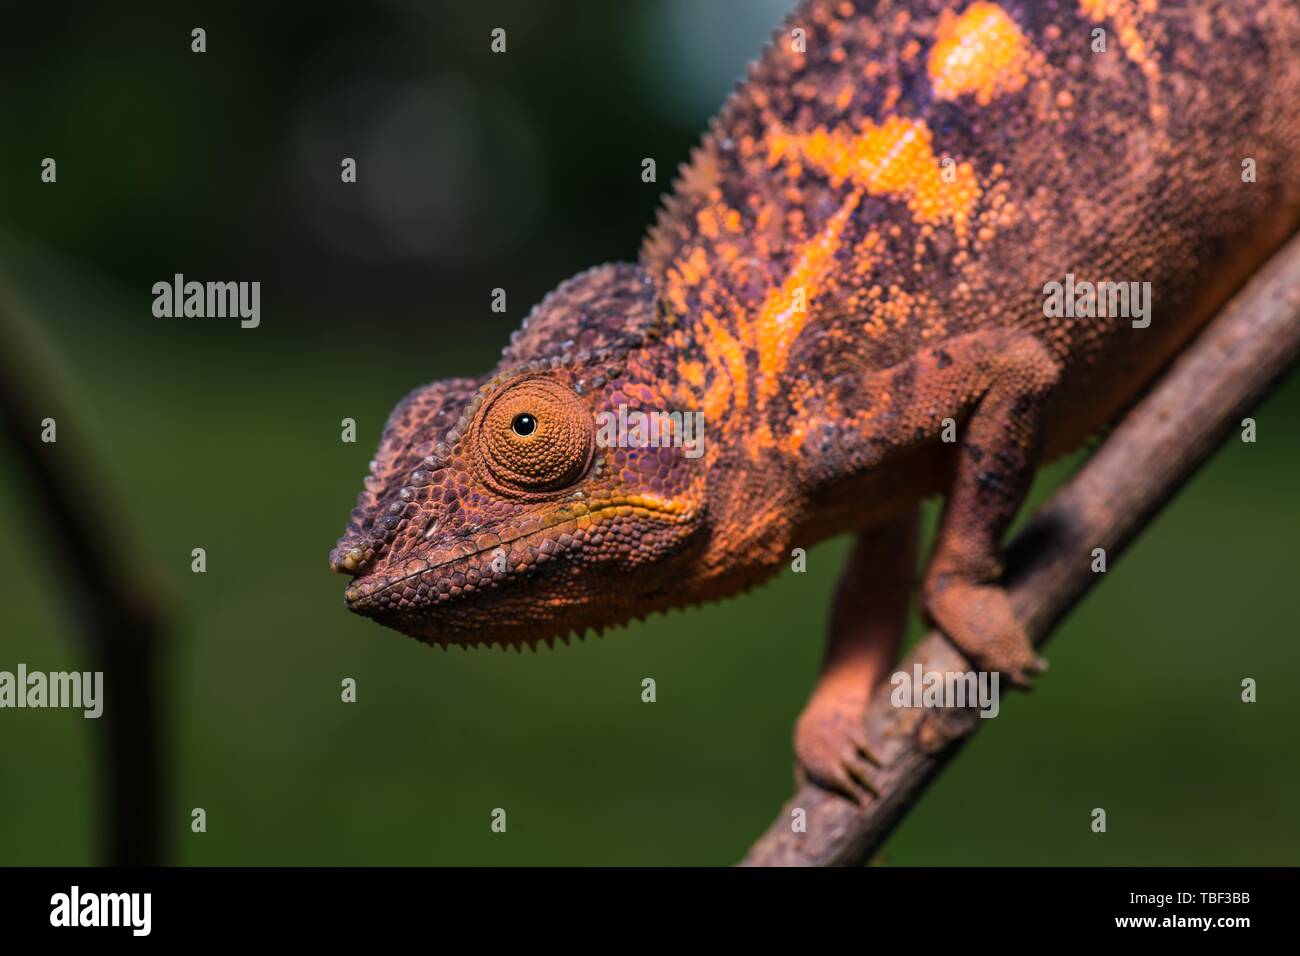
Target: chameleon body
{"points": [[849, 282]]}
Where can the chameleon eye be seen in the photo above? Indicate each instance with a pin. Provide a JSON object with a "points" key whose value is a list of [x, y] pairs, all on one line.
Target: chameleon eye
{"points": [[560, 432], [524, 425]]}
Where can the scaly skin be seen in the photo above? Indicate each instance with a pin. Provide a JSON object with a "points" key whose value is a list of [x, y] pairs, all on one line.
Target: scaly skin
{"points": [[855, 253]]}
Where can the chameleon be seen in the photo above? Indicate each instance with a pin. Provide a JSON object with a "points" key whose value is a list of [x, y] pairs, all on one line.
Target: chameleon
{"points": [[849, 281]]}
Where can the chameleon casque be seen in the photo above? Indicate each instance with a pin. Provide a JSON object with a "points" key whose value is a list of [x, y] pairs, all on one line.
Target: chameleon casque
{"points": [[855, 253]]}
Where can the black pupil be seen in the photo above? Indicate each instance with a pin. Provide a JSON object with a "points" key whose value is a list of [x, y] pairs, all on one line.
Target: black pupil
{"points": [[524, 425]]}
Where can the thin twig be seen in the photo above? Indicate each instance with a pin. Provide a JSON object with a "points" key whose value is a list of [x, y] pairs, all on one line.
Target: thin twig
{"points": [[1239, 357]]}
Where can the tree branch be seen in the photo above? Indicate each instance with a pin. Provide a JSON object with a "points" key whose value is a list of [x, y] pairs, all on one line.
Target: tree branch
{"points": [[116, 614], [1235, 361]]}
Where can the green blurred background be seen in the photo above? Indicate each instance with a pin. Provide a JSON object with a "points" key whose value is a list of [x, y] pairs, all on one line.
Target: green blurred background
{"points": [[478, 171]]}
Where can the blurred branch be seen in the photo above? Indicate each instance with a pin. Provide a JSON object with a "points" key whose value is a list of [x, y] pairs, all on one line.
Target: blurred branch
{"points": [[1235, 361], [118, 620]]}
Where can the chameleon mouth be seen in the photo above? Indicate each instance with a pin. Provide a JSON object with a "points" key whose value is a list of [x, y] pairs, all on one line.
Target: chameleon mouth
{"points": [[420, 583]]}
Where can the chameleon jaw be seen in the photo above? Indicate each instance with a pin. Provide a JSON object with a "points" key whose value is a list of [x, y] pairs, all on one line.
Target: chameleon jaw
{"points": [[429, 599]]}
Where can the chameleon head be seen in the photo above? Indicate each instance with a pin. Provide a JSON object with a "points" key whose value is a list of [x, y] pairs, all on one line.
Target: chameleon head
{"points": [[500, 512]]}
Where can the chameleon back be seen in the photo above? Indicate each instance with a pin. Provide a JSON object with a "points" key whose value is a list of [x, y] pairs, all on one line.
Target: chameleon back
{"points": [[883, 182]]}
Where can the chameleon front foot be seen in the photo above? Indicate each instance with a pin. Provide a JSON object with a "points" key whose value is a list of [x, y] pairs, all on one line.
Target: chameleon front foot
{"points": [[980, 622], [831, 745]]}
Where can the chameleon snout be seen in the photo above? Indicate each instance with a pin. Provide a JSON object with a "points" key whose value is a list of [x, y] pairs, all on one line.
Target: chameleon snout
{"points": [[349, 562]]}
